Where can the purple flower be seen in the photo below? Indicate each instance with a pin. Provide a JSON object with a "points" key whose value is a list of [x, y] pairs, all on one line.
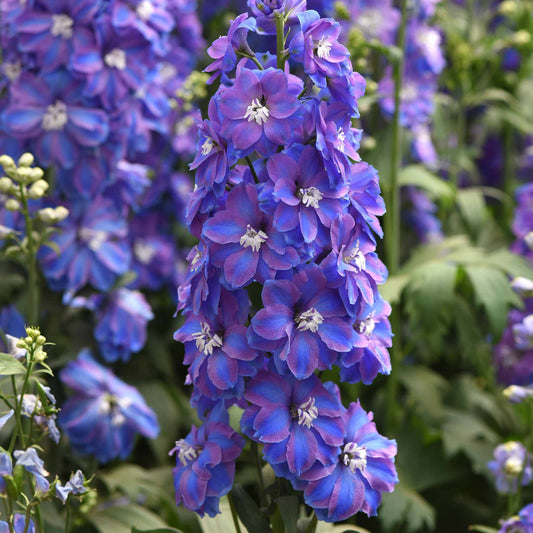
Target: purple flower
{"points": [[75, 485], [6, 469], [243, 241], [217, 348], [422, 215], [369, 356], [105, 414], [298, 421], [364, 470], [523, 333], [205, 464], [317, 47], [93, 248], [51, 112], [35, 466], [375, 19], [258, 109], [303, 322], [512, 463], [305, 197], [352, 262], [522, 523], [19, 523], [265, 12]]}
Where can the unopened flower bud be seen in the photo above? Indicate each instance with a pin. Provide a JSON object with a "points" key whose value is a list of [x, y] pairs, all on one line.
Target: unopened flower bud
{"points": [[47, 215], [21, 343], [521, 37], [23, 174], [508, 7], [33, 332], [36, 173], [61, 213], [7, 162], [5, 184], [38, 189], [12, 205], [40, 340], [26, 160], [40, 356], [522, 286]]}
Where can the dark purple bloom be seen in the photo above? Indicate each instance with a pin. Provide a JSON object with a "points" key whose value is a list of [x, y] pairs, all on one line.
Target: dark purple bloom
{"points": [[364, 470], [512, 463], [205, 464], [258, 107], [105, 414], [93, 248], [243, 241], [303, 322], [306, 200], [317, 47], [298, 421]]}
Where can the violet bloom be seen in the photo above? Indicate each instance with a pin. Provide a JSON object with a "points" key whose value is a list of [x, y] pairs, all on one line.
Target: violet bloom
{"points": [[75, 485], [521, 523], [224, 50], [19, 524], [511, 464], [306, 200], [205, 464], [53, 29], [32, 463], [317, 47], [298, 421], [303, 322], [243, 241], [93, 248], [375, 19], [365, 469], [104, 415], [369, 356], [217, 349], [265, 12], [352, 263], [52, 113], [523, 333], [258, 107]]}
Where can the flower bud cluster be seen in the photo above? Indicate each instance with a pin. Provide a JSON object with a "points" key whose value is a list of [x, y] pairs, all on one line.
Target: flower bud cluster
{"points": [[284, 280]]}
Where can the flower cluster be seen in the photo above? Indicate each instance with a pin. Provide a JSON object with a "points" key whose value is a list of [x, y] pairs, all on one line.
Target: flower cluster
{"points": [[284, 280]]}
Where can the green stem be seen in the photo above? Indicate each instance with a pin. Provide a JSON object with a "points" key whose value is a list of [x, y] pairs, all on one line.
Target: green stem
{"points": [[393, 215], [8, 516], [260, 480], [252, 169], [280, 41], [33, 311], [67, 518], [234, 513], [312, 524], [509, 168]]}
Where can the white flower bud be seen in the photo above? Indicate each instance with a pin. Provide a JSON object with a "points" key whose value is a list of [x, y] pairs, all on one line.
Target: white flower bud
{"points": [[508, 7], [38, 189], [7, 162], [521, 37], [36, 173], [26, 160], [5, 184], [61, 213], [47, 215], [12, 205], [23, 174]]}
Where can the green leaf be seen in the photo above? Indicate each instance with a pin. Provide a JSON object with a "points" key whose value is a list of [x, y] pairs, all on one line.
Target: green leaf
{"points": [[493, 292], [9, 366], [419, 176], [512, 264], [159, 530], [482, 529], [404, 505], [392, 289], [122, 518], [248, 511], [473, 209], [289, 508]]}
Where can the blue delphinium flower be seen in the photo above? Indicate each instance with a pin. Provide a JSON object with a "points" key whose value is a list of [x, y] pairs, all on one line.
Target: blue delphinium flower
{"points": [[511, 465], [35, 466], [104, 415], [19, 523], [521, 523], [205, 464], [75, 485], [364, 470]]}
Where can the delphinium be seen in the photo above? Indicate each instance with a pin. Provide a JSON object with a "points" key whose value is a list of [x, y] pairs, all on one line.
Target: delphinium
{"points": [[283, 283], [101, 93]]}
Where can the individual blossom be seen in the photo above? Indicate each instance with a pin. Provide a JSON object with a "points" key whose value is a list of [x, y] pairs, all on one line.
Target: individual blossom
{"points": [[518, 393], [303, 322], [258, 110], [104, 415], [521, 523], [35, 466], [75, 485], [522, 286], [243, 242], [19, 525], [364, 470], [266, 11], [299, 422], [523, 333], [33, 408], [205, 464], [511, 465]]}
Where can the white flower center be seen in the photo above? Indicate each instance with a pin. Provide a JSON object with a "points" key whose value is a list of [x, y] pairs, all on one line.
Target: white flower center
{"points": [[167, 71], [253, 238], [356, 258], [513, 466], [208, 146], [93, 238], [55, 117], [409, 93], [341, 135], [196, 258], [144, 251], [145, 9], [310, 196], [354, 456], [257, 111], [323, 48], [306, 413], [113, 405], [204, 341], [12, 70], [186, 452], [116, 59], [62, 25], [366, 326], [311, 319]]}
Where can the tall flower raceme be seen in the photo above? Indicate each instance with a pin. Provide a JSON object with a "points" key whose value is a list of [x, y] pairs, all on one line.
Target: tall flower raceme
{"points": [[101, 93], [284, 279]]}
